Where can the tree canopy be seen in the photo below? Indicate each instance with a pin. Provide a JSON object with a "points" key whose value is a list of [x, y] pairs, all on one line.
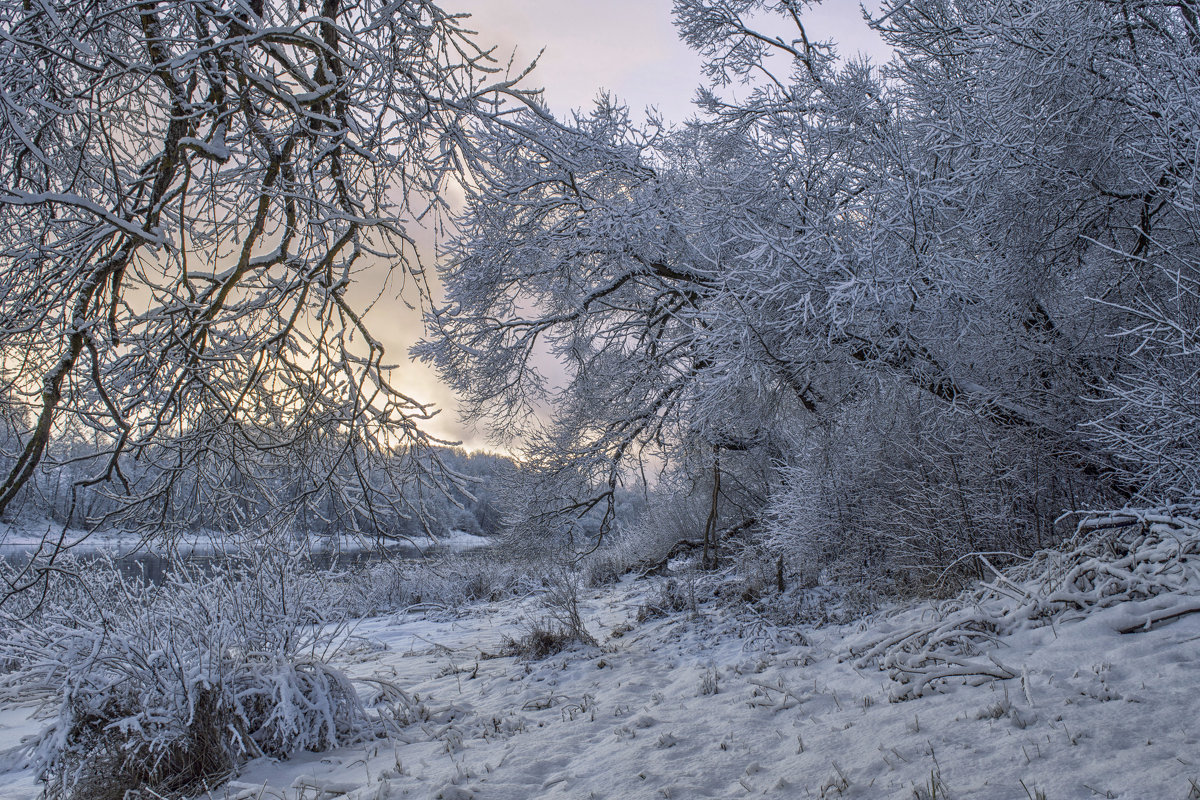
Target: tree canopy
{"points": [[188, 191], [964, 281]]}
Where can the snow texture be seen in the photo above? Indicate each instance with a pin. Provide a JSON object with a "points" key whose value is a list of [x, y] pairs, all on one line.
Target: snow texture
{"points": [[1096, 698]]}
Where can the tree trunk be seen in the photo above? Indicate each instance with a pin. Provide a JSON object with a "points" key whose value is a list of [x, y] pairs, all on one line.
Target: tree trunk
{"points": [[710, 526]]}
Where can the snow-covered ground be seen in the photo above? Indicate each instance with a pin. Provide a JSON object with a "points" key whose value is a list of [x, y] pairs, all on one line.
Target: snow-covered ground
{"points": [[727, 706]]}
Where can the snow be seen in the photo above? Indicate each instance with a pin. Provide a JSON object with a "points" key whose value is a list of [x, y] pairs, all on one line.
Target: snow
{"points": [[715, 706], [24, 537], [461, 540], [17, 726]]}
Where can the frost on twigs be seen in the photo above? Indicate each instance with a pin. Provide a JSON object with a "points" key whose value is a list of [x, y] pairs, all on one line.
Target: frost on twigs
{"points": [[199, 201], [1147, 561], [561, 624], [169, 688]]}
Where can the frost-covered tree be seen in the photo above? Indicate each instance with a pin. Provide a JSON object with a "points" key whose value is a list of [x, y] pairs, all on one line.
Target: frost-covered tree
{"points": [[188, 192], [1045, 120], [962, 234]]}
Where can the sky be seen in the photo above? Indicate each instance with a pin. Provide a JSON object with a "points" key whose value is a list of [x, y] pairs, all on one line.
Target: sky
{"points": [[627, 47]]}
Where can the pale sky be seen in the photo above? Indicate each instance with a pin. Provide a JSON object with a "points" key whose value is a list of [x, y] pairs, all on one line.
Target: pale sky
{"points": [[628, 47]]}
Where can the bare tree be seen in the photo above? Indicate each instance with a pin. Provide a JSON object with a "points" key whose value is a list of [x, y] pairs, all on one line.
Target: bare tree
{"points": [[188, 190]]}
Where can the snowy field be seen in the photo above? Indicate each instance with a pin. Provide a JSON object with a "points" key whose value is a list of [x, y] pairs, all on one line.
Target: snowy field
{"points": [[723, 704]]}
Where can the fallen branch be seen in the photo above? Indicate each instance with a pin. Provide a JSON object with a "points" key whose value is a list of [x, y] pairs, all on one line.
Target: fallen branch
{"points": [[1149, 559]]}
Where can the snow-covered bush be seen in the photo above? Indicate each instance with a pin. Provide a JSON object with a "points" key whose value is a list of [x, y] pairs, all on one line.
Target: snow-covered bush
{"points": [[560, 623], [899, 495], [170, 687], [539, 639], [669, 597], [1152, 419], [632, 548], [437, 582]]}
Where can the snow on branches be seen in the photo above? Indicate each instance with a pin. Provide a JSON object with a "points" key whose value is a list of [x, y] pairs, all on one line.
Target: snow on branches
{"points": [[1000, 223], [190, 190]]}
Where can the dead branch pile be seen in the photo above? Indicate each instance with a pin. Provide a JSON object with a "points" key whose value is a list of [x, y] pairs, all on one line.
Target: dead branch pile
{"points": [[1148, 560]]}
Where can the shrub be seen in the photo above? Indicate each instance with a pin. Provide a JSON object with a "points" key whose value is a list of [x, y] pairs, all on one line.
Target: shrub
{"points": [[669, 597], [561, 623], [900, 496], [541, 639], [443, 582], [170, 687]]}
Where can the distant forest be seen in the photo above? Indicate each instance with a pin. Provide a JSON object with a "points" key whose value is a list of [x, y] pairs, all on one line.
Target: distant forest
{"points": [[239, 494]]}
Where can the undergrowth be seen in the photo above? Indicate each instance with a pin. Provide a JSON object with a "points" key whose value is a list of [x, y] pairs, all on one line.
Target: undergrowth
{"points": [[1147, 561], [559, 623], [443, 583], [169, 688]]}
